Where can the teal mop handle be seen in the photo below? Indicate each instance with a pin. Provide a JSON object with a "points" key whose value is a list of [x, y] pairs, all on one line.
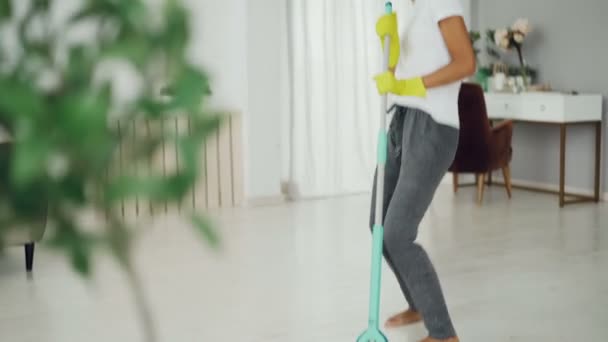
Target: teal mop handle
{"points": [[378, 232], [373, 333]]}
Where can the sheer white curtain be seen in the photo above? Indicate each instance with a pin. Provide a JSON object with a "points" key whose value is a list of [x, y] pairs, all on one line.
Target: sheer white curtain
{"points": [[333, 116]]}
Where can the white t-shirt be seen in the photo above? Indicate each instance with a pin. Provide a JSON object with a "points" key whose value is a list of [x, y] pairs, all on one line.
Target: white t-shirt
{"points": [[423, 51]]}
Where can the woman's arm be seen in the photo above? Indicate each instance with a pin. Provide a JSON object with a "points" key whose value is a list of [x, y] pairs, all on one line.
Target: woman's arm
{"points": [[463, 63]]}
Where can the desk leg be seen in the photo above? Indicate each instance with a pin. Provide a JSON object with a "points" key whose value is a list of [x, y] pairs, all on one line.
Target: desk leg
{"points": [[562, 165], [598, 158]]}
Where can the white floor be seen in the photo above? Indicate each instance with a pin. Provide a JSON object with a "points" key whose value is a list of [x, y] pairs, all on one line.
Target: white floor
{"points": [[522, 270]]}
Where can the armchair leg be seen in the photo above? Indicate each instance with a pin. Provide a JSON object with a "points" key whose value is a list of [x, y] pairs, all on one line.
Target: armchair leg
{"points": [[455, 181], [506, 172], [481, 184], [29, 256]]}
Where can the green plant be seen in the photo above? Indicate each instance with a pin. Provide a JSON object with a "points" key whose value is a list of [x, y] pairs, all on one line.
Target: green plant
{"points": [[486, 71], [60, 113], [527, 70], [475, 36]]}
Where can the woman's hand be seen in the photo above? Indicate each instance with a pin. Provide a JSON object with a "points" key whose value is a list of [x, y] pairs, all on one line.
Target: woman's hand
{"points": [[387, 83], [463, 62], [387, 26]]}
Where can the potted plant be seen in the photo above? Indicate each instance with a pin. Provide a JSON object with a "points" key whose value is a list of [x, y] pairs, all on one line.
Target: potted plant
{"points": [[59, 102]]}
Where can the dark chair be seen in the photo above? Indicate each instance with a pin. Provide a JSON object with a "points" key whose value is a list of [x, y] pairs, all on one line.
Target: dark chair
{"points": [[482, 149]]}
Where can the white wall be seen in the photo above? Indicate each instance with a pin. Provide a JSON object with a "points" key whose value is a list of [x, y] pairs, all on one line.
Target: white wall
{"points": [[265, 44], [219, 45], [466, 4], [236, 41]]}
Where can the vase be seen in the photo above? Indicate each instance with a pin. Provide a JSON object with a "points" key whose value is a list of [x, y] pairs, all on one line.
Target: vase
{"points": [[523, 69], [499, 81]]}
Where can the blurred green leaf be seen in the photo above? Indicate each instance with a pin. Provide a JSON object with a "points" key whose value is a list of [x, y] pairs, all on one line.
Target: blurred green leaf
{"points": [[189, 89], [77, 244], [189, 148], [81, 260], [205, 228], [135, 50], [180, 184], [203, 125], [73, 187], [80, 68], [94, 9], [19, 100], [155, 188], [40, 49], [28, 201], [133, 13], [152, 108], [81, 116], [6, 10], [176, 35], [29, 161], [41, 5]]}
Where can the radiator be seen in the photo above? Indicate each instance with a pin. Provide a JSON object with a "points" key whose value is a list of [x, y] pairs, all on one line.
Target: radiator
{"points": [[220, 184]]}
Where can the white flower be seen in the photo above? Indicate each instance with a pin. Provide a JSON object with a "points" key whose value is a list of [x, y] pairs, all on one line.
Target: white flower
{"points": [[500, 35], [522, 26], [505, 43], [518, 37], [58, 166], [48, 80]]}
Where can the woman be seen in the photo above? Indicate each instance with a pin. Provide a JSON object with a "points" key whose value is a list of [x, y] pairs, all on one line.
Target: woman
{"points": [[423, 137]]}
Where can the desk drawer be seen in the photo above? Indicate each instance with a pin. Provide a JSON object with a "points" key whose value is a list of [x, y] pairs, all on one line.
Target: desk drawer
{"points": [[546, 108], [503, 107]]}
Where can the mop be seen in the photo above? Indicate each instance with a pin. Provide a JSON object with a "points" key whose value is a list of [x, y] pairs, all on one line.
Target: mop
{"points": [[373, 333]]}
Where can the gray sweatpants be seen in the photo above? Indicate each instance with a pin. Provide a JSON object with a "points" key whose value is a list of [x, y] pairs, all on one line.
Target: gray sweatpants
{"points": [[420, 152]]}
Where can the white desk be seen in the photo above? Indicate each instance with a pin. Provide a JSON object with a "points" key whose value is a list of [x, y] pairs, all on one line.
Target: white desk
{"points": [[554, 109]]}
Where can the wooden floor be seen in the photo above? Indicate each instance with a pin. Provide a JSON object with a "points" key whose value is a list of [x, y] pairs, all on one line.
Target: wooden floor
{"points": [[519, 270]]}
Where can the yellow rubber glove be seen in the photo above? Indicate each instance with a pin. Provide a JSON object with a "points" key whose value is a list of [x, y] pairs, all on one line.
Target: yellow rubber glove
{"points": [[387, 83], [387, 26]]}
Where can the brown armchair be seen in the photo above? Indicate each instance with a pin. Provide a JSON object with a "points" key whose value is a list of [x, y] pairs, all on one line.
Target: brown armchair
{"points": [[481, 149]]}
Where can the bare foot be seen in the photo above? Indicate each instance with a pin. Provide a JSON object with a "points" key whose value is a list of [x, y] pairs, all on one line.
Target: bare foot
{"points": [[428, 339], [402, 319]]}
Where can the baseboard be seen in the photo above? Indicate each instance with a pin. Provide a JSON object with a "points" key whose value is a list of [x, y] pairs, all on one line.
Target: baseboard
{"points": [[551, 187], [265, 201], [469, 178]]}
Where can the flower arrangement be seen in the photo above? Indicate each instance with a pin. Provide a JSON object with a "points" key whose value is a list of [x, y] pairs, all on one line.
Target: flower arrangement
{"points": [[511, 38], [514, 37]]}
